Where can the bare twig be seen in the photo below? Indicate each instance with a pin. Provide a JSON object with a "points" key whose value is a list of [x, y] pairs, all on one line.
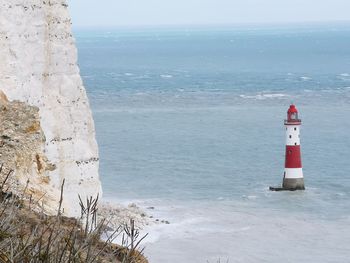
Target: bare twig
{"points": [[59, 213]]}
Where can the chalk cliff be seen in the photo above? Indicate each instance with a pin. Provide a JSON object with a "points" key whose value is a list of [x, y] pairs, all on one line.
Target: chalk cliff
{"points": [[38, 66]]}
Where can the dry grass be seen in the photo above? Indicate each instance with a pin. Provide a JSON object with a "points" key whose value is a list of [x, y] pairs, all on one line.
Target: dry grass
{"points": [[28, 236]]}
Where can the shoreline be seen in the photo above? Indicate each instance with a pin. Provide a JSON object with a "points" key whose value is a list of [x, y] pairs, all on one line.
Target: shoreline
{"points": [[240, 233], [118, 213]]}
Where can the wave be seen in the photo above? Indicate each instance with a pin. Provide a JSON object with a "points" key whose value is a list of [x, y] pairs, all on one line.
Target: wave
{"points": [[305, 78], [165, 76], [264, 96], [344, 76]]}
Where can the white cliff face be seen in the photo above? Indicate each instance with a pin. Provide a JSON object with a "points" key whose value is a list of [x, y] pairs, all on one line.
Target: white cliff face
{"points": [[38, 65]]}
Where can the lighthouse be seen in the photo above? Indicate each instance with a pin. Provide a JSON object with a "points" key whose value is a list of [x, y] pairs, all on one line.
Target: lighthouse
{"points": [[293, 178]]}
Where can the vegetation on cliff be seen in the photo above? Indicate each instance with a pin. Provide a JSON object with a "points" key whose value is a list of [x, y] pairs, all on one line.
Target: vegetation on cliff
{"points": [[29, 236]]}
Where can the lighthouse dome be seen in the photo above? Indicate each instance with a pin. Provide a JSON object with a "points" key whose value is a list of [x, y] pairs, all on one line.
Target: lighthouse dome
{"points": [[292, 115], [292, 109]]}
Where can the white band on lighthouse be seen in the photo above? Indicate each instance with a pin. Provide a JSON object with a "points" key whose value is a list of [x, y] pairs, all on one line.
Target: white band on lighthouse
{"points": [[293, 173], [292, 135]]}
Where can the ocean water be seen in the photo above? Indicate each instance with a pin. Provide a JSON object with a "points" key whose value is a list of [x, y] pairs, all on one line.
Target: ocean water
{"points": [[190, 121]]}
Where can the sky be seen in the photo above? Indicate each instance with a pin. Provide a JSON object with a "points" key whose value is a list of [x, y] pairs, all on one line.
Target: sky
{"points": [[135, 13]]}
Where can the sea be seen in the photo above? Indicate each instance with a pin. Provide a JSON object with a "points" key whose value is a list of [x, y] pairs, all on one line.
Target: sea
{"points": [[190, 127]]}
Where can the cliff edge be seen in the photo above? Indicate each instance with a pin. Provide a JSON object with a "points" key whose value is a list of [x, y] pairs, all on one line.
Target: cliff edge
{"points": [[38, 66]]}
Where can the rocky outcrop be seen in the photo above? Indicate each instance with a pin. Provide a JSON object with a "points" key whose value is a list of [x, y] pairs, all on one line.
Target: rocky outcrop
{"points": [[22, 144], [38, 66]]}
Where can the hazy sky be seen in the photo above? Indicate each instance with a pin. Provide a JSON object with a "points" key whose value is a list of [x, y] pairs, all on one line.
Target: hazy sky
{"points": [[197, 12]]}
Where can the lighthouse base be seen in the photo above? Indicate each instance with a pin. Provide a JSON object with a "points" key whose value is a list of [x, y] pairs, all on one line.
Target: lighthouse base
{"points": [[294, 184], [290, 185]]}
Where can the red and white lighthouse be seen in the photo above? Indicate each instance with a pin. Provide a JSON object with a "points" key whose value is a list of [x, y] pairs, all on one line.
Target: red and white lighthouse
{"points": [[293, 178]]}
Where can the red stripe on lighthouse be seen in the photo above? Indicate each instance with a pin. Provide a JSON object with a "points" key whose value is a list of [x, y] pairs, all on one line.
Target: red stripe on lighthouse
{"points": [[293, 157]]}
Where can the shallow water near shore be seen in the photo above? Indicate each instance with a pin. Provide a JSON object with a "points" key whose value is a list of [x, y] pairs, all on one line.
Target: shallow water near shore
{"points": [[190, 122]]}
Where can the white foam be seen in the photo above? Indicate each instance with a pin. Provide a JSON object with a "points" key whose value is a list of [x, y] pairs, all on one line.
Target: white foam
{"points": [[166, 76], [264, 96], [305, 78], [274, 95], [344, 76]]}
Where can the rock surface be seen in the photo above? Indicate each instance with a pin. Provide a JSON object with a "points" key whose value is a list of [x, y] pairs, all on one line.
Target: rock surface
{"points": [[21, 150], [38, 66]]}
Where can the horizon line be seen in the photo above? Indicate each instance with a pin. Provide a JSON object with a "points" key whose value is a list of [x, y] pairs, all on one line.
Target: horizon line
{"points": [[218, 25]]}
